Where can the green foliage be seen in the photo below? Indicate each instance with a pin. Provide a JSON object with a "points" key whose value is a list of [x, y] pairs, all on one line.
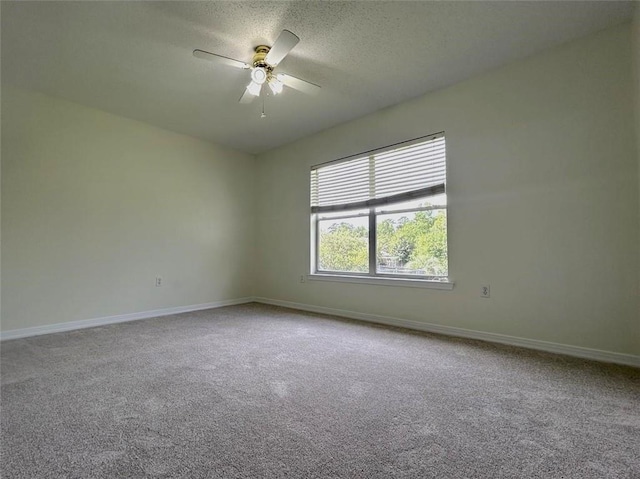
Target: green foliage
{"points": [[344, 247], [412, 244], [431, 249], [403, 250]]}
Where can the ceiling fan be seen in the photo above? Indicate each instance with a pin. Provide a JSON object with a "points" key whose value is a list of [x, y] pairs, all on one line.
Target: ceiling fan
{"points": [[265, 60]]}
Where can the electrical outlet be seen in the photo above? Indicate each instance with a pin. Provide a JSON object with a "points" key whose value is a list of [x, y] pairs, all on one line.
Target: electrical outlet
{"points": [[485, 291], [303, 279], [158, 281]]}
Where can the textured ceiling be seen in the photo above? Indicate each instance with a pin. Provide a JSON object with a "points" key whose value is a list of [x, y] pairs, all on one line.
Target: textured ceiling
{"points": [[134, 58]]}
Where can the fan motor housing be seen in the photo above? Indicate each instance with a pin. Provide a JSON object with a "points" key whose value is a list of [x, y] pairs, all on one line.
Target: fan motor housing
{"points": [[259, 57]]}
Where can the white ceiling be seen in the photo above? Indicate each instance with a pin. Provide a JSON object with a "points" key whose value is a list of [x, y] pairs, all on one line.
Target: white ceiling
{"points": [[135, 58]]}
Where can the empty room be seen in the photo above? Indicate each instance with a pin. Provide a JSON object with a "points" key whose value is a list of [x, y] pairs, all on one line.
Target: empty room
{"points": [[320, 239]]}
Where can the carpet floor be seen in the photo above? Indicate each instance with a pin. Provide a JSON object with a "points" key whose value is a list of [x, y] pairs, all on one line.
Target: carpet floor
{"points": [[256, 391]]}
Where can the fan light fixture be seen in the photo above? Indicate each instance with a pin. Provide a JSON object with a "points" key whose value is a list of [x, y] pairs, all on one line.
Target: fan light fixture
{"points": [[254, 88], [259, 75], [275, 85]]}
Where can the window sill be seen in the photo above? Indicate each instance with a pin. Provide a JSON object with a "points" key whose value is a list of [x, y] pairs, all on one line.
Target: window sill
{"points": [[402, 282]]}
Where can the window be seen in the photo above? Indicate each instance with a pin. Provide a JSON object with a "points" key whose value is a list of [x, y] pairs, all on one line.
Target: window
{"points": [[382, 213]]}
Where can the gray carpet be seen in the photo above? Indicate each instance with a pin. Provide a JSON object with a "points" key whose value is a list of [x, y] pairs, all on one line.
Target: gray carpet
{"points": [[255, 391]]}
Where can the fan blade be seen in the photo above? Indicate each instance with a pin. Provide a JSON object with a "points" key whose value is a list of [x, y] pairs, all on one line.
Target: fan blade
{"points": [[247, 97], [283, 45], [299, 84], [212, 57]]}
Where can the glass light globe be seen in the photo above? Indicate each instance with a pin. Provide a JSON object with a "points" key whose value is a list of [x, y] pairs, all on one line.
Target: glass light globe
{"points": [[259, 75]]}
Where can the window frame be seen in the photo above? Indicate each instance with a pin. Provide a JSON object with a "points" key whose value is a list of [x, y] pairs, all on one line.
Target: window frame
{"points": [[372, 276]]}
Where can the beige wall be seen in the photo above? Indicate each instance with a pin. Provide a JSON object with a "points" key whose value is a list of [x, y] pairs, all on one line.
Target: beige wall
{"points": [[543, 190], [636, 80], [95, 206]]}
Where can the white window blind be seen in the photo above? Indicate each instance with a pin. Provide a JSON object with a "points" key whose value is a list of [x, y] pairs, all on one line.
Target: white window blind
{"points": [[409, 170]]}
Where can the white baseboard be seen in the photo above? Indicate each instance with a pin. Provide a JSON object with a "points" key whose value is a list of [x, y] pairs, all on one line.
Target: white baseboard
{"points": [[121, 318], [577, 351]]}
